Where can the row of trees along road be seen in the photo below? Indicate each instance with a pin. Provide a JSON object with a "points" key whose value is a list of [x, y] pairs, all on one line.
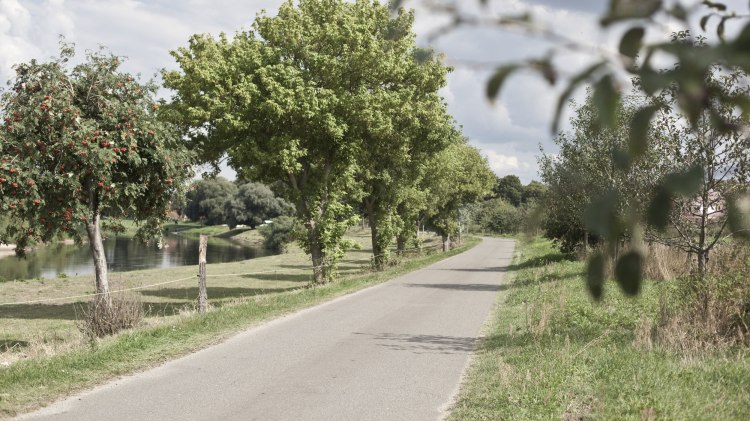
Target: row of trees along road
{"points": [[335, 100], [330, 98]]}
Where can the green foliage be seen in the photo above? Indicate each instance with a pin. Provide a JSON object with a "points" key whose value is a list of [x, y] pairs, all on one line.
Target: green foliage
{"points": [[254, 203], [82, 141], [497, 216], [278, 234], [205, 200], [510, 189], [300, 99], [458, 175]]}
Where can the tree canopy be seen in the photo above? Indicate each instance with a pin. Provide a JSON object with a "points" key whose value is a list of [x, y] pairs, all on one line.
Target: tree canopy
{"points": [[80, 143], [299, 99]]}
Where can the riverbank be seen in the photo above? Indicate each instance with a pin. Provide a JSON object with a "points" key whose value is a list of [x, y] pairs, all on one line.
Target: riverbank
{"points": [[241, 294]]}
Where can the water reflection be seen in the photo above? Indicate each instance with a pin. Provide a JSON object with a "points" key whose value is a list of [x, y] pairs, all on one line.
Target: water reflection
{"points": [[123, 254]]}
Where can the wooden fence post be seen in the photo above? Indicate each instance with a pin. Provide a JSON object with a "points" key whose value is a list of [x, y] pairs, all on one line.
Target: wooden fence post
{"points": [[202, 295]]}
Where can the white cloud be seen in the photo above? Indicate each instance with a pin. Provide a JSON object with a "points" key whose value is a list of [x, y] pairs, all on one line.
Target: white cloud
{"points": [[502, 164]]}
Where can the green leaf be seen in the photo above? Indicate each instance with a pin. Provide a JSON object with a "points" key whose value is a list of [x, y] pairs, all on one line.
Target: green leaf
{"points": [[742, 42], [684, 183], [720, 29], [574, 83], [630, 43], [630, 9], [629, 272], [622, 159], [704, 21], [605, 99], [600, 215], [545, 68], [496, 81], [639, 128], [718, 6], [595, 276], [657, 214]]}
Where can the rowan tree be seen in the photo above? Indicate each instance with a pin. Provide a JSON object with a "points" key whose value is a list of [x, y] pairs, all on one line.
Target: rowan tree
{"points": [[80, 143]]}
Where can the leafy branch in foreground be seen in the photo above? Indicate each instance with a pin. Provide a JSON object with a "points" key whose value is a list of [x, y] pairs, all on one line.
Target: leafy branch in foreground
{"points": [[694, 95]]}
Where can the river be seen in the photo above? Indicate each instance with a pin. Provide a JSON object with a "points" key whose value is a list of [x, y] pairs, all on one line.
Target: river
{"points": [[123, 254]]}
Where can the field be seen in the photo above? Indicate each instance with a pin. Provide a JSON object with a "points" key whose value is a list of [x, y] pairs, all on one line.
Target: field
{"points": [[552, 353]]}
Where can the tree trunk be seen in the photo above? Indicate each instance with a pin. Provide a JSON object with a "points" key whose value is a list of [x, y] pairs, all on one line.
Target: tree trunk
{"points": [[446, 242], [401, 244], [318, 260], [378, 252], [585, 242], [93, 228], [702, 262]]}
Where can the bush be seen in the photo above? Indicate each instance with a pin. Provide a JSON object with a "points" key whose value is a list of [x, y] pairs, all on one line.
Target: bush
{"points": [[278, 235], [99, 320]]}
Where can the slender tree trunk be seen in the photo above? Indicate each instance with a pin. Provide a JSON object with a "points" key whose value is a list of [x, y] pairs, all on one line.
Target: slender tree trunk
{"points": [[93, 228], [702, 263], [446, 242], [585, 242], [401, 243], [318, 258], [378, 252]]}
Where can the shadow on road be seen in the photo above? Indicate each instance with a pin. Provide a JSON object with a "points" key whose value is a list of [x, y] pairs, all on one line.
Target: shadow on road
{"points": [[424, 344], [462, 287]]}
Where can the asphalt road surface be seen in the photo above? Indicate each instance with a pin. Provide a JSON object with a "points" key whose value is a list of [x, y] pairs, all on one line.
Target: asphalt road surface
{"points": [[395, 351]]}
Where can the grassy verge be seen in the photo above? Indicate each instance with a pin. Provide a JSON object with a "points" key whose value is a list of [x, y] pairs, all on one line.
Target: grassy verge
{"points": [[550, 353], [28, 384]]}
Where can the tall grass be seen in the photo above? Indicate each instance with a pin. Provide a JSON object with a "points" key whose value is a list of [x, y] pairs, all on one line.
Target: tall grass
{"points": [[550, 352]]}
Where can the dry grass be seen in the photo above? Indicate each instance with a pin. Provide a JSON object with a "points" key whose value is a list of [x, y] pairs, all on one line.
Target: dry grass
{"points": [[102, 319], [699, 315], [665, 263]]}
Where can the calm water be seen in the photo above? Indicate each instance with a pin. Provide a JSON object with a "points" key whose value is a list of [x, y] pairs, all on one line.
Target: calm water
{"points": [[123, 254]]}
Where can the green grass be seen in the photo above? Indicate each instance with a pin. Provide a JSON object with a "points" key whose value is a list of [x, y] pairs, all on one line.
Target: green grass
{"points": [[551, 353], [34, 382]]}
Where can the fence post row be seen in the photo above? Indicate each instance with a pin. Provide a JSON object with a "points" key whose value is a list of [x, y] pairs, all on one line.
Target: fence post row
{"points": [[202, 295]]}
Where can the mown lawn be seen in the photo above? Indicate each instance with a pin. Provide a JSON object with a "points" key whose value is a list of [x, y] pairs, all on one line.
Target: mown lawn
{"points": [[551, 353]]}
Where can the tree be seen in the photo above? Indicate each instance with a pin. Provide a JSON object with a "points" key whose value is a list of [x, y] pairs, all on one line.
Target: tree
{"points": [[533, 192], [719, 159], [510, 189], [283, 101], [206, 200], [82, 142], [254, 203], [457, 176], [641, 55], [584, 169]]}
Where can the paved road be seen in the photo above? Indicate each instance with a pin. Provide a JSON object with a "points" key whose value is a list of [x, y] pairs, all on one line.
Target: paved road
{"points": [[392, 352]]}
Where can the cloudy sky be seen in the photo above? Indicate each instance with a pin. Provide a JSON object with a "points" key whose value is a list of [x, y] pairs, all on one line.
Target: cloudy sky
{"points": [[508, 132]]}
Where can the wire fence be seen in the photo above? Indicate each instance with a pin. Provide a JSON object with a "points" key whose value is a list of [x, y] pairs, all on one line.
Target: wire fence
{"points": [[303, 269]]}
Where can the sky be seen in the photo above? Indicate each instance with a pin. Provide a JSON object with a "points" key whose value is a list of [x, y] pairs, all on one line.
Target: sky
{"points": [[509, 132]]}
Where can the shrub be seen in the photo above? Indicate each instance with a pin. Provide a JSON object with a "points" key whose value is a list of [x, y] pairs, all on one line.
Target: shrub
{"points": [[278, 235], [99, 320]]}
